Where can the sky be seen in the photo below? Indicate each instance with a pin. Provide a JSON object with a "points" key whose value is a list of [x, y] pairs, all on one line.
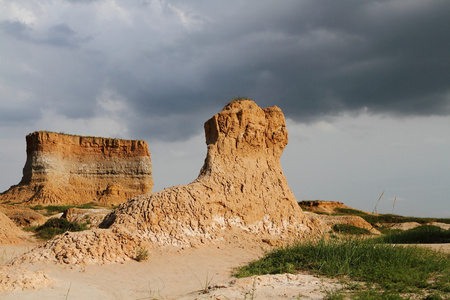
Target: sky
{"points": [[364, 86]]}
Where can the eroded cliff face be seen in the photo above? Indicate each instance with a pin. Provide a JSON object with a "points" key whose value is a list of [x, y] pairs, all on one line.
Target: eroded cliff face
{"points": [[240, 195], [241, 185], [63, 169]]}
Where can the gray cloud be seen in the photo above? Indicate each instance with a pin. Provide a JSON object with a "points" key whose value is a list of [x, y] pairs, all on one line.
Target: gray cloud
{"points": [[311, 58]]}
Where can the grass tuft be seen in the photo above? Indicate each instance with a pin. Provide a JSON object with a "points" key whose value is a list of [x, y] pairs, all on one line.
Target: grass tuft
{"points": [[141, 254]]}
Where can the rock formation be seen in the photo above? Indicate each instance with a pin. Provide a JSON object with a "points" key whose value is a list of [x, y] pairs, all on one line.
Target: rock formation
{"points": [[240, 185], [356, 221], [241, 191], [22, 216], [9, 232], [63, 169], [328, 207], [92, 217]]}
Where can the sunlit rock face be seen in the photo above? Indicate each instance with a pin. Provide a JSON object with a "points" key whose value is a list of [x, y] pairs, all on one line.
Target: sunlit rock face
{"points": [[71, 169], [241, 186], [240, 196]]}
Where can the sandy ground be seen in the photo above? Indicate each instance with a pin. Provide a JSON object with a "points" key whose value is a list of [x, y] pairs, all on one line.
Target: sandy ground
{"points": [[173, 274]]}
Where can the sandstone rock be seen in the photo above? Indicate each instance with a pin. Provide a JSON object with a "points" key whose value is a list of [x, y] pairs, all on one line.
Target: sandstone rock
{"points": [[9, 232], [63, 169], [349, 220], [92, 217], [22, 216], [241, 191], [328, 207], [241, 185], [95, 246]]}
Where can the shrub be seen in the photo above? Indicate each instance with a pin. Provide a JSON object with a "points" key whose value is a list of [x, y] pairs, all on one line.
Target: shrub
{"points": [[141, 254], [425, 234], [55, 226], [349, 229]]}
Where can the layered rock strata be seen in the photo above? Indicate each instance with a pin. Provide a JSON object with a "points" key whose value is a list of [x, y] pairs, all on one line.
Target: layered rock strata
{"points": [[241, 193], [63, 169]]}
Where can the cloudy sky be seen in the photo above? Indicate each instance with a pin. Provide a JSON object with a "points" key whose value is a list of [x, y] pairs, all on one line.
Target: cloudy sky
{"points": [[364, 85]]}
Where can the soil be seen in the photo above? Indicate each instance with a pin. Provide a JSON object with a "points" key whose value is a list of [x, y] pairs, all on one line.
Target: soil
{"points": [[169, 273]]}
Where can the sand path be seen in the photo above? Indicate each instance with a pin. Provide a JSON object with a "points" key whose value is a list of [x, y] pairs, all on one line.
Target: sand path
{"points": [[173, 274]]}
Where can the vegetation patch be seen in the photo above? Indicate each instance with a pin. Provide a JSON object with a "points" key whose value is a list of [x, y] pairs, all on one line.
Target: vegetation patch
{"points": [[349, 229], [425, 234], [141, 254], [55, 226], [387, 218], [388, 270], [54, 209]]}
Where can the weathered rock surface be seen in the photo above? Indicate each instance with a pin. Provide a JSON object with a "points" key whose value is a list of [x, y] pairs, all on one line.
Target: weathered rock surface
{"points": [[22, 216], [241, 191], [63, 169], [241, 185], [356, 221], [92, 217], [95, 246], [9, 232]]}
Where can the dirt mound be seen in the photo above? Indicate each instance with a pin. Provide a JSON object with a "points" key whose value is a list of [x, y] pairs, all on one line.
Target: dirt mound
{"points": [[16, 278], [87, 247], [9, 232], [444, 226], [323, 206], [70, 169], [404, 225], [348, 220], [22, 216]]}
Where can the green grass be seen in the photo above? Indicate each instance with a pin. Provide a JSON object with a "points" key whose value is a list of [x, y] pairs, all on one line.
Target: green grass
{"points": [[425, 234], [54, 209], [141, 254], [349, 229], [55, 226], [388, 218], [392, 270]]}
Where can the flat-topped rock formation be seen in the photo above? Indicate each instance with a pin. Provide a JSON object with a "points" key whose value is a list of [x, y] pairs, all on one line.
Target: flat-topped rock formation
{"points": [[241, 193], [71, 169]]}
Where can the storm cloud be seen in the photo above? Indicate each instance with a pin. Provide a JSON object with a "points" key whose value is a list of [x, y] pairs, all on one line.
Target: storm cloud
{"points": [[176, 60]]}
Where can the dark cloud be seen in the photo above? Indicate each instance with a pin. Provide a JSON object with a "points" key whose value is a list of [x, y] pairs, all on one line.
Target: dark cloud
{"points": [[82, 1], [311, 58], [14, 28], [60, 35]]}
